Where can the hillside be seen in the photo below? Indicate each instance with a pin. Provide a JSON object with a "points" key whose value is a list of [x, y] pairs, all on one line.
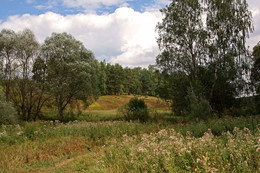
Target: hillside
{"points": [[113, 102]]}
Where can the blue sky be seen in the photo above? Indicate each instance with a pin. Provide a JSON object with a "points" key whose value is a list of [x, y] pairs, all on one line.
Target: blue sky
{"points": [[119, 31], [36, 7]]}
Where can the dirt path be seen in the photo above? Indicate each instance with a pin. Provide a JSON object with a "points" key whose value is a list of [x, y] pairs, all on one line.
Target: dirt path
{"points": [[90, 157]]}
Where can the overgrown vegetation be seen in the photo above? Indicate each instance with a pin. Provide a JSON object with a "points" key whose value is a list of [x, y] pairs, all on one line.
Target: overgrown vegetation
{"points": [[170, 151], [128, 146]]}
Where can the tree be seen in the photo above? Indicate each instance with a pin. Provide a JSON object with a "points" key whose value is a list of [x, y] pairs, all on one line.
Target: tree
{"points": [[205, 41], [182, 39], [71, 72], [8, 46], [228, 25], [103, 78], [146, 82], [40, 80], [115, 76], [255, 75], [18, 51], [24, 90]]}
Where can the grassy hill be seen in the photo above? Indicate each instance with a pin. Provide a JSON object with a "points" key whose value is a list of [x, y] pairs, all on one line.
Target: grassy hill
{"points": [[112, 102], [108, 105], [106, 108]]}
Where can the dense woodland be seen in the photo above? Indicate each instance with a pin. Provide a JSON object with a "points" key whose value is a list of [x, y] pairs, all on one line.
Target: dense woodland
{"points": [[204, 67]]}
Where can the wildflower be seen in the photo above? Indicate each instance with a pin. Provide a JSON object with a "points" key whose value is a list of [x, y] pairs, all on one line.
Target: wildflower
{"points": [[17, 126], [258, 146], [3, 133], [142, 149], [19, 133]]}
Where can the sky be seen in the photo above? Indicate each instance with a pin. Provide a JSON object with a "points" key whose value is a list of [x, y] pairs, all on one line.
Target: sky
{"points": [[118, 31]]}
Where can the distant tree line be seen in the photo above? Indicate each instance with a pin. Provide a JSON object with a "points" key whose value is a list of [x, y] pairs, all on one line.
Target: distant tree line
{"points": [[116, 80]]}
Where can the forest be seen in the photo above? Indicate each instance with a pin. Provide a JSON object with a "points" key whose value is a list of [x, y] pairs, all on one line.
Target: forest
{"points": [[196, 110]]}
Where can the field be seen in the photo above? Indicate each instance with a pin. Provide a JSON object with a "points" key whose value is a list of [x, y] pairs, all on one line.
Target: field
{"points": [[164, 144]]}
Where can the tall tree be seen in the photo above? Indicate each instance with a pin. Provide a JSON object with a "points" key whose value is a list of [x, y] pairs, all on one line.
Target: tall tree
{"points": [[255, 75], [103, 78], [9, 65], [228, 25], [18, 52], [205, 41], [70, 70], [27, 51], [40, 80]]}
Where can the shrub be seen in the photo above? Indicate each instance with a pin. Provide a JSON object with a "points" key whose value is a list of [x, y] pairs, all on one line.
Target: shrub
{"points": [[8, 114], [136, 109]]}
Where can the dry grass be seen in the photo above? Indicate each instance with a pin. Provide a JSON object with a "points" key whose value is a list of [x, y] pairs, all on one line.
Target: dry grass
{"points": [[112, 102]]}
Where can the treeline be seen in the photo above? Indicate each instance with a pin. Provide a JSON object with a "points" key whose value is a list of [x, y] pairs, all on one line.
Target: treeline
{"points": [[116, 80]]}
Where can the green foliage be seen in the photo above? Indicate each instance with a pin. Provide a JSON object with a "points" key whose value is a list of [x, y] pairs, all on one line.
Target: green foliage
{"points": [[178, 90], [8, 114], [197, 53], [136, 109], [72, 71], [116, 80], [18, 51], [255, 75], [199, 107]]}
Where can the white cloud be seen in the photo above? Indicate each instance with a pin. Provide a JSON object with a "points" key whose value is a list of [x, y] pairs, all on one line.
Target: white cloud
{"points": [[125, 36], [137, 56], [254, 6]]}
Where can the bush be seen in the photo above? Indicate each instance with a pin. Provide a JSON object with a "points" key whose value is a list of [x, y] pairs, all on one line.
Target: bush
{"points": [[8, 114], [136, 109]]}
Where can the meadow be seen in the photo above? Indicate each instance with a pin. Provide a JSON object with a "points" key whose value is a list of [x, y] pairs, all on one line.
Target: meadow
{"points": [[103, 143]]}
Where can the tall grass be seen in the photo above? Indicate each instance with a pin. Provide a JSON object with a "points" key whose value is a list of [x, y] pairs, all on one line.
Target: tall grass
{"points": [[169, 151], [39, 145]]}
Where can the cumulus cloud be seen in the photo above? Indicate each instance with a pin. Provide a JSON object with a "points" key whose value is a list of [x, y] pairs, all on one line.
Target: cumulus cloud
{"points": [[125, 36]]}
